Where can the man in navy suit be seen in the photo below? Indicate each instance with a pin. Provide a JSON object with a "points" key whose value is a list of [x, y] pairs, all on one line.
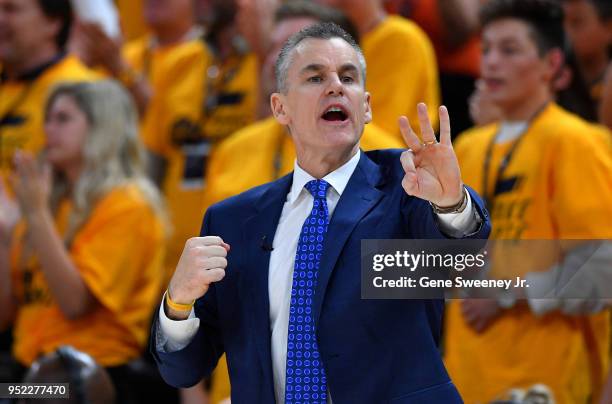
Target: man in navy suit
{"points": [[274, 279]]}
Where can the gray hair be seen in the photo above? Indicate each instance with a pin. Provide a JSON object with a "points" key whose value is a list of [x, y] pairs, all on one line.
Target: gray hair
{"points": [[323, 30]]}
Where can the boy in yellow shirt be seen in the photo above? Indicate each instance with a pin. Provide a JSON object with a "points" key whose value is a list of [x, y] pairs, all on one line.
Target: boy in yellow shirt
{"points": [[545, 174]]}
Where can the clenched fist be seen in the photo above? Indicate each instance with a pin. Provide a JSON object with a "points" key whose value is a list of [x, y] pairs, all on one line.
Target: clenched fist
{"points": [[202, 262]]}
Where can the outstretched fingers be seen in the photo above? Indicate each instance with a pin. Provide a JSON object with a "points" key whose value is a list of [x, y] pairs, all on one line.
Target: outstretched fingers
{"points": [[427, 133], [445, 128], [411, 139]]}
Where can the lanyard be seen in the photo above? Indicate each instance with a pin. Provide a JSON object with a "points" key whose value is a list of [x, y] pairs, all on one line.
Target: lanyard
{"points": [[23, 95], [146, 61], [487, 194], [218, 76]]}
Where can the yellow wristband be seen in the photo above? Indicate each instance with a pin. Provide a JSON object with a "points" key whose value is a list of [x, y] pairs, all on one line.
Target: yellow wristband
{"points": [[178, 306]]}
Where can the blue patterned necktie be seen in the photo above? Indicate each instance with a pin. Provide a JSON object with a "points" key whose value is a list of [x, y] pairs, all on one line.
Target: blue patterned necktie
{"points": [[305, 376]]}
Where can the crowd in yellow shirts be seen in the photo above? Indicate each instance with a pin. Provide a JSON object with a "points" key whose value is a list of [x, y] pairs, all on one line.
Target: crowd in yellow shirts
{"points": [[187, 86]]}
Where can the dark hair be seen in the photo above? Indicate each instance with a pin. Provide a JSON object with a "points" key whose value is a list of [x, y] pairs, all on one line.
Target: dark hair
{"points": [[544, 18], [59, 10], [322, 30], [309, 9], [222, 16], [604, 9], [577, 96]]}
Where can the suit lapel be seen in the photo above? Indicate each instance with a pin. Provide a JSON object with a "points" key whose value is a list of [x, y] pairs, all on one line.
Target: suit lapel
{"points": [[259, 230], [358, 198]]}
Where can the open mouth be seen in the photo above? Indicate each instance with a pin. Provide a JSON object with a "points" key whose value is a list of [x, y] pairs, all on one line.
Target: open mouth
{"points": [[494, 83], [335, 114]]}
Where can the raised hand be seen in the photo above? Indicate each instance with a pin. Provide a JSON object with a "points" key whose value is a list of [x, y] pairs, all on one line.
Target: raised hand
{"points": [[32, 184], [482, 107], [202, 262], [431, 167], [96, 48]]}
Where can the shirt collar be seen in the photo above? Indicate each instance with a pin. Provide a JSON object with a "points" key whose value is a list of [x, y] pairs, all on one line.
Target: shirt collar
{"points": [[338, 179], [34, 73], [195, 32]]}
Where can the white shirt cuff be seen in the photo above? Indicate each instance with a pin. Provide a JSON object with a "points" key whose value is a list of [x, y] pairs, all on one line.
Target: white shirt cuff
{"points": [[462, 223], [174, 335]]}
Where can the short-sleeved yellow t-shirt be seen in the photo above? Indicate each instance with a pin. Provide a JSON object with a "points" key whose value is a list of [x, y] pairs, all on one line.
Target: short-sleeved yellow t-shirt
{"points": [[22, 104], [401, 72], [557, 185], [119, 254]]}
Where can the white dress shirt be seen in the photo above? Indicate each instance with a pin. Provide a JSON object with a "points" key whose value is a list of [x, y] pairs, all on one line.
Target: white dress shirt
{"points": [[174, 335]]}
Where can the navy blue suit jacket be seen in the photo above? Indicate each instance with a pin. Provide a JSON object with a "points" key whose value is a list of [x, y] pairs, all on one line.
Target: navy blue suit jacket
{"points": [[374, 351]]}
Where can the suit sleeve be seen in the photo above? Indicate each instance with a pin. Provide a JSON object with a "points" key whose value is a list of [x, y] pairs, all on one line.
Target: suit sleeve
{"points": [[186, 367]]}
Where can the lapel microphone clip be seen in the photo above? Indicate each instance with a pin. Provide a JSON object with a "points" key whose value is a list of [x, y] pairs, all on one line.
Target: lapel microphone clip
{"points": [[265, 245]]}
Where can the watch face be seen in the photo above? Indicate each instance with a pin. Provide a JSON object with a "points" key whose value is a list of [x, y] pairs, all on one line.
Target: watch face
{"points": [[452, 209]]}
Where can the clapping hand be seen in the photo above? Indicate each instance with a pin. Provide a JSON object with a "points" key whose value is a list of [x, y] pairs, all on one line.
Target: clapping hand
{"points": [[431, 167], [96, 48], [482, 107], [32, 184]]}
